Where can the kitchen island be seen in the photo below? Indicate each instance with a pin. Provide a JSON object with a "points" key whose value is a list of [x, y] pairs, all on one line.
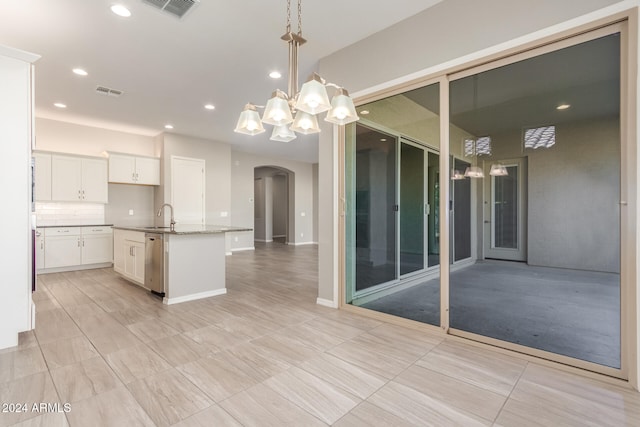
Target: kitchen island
{"points": [[193, 259]]}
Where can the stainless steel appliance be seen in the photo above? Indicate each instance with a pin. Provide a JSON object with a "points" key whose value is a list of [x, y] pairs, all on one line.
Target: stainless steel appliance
{"points": [[154, 263]]}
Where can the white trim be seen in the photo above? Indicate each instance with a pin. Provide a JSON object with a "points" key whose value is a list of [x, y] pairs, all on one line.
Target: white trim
{"points": [[228, 253], [192, 297], [300, 243], [326, 303], [74, 268], [251, 248], [21, 55], [533, 37]]}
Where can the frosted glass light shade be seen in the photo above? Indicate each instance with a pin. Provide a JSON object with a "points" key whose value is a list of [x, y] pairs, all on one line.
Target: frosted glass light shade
{"points": [[249, 122], [342, 109], [474, 172], [313, 98], [282, 133], [277, 111], [305, 123], [498, 170]]}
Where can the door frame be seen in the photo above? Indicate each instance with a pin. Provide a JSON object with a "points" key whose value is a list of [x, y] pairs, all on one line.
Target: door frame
{"points": [[488, 236]]}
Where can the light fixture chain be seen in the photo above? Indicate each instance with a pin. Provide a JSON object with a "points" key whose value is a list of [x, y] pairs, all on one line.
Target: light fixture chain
{"points": [[288, 16], [300, 18]]}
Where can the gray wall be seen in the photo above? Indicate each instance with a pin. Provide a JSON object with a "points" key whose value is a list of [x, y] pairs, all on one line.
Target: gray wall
{"points": [[217, 157], [125, 197], [573, 194], [242, 197], [449, 30]]}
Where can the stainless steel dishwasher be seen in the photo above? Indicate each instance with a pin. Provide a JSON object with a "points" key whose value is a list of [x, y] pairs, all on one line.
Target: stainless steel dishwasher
{"points": [[154, 263]]}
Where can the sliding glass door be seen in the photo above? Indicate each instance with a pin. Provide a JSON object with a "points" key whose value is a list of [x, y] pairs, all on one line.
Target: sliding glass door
{"points": [[531, 219]]}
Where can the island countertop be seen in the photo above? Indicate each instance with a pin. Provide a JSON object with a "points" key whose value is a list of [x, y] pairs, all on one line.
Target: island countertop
{"points": [[186, 229]]}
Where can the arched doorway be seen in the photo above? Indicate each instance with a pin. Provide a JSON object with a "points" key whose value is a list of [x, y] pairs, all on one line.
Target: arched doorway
{"points": [[274, 219]]}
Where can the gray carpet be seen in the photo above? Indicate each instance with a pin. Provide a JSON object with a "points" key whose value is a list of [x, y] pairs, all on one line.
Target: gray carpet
{"points": [[570, 312]]}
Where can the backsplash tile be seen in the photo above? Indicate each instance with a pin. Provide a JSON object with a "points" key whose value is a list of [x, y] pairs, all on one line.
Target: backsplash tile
{"points": [[69, 213]]}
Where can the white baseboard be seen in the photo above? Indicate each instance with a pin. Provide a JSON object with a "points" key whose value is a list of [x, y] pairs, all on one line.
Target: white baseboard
{"points": [[228, 253], [252, 248], [74, 268], [193, 297], [301, 243], [326, 303]]}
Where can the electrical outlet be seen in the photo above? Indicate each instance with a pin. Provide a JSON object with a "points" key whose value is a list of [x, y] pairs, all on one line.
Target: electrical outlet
{"points": [[301, 234], [224, 214], [303, 214], [131, 212], [235, 239]]}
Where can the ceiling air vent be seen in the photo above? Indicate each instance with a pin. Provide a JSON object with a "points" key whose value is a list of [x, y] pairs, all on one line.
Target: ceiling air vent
{"points": [[177, 8], [102, 90]]}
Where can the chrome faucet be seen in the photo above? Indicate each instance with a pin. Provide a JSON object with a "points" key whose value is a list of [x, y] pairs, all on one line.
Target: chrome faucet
{"points": [[173, 221]]}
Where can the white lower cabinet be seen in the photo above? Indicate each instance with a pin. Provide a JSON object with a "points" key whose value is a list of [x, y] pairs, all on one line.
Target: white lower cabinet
{"points": [[63, 247], [129, 255], [97, 245]]}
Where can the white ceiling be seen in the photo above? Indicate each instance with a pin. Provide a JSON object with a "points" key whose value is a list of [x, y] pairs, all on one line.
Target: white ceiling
{"points": [[221, 53]]}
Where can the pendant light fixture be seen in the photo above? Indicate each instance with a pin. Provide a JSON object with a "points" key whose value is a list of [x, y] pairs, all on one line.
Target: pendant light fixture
{"points": [[296, 111], [498, 169]]}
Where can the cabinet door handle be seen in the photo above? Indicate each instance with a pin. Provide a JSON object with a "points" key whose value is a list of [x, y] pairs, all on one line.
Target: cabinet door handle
{"points": [[41, 245], [83, 194], [78, 242], [79, 194], [83, 243], [133, 176]]}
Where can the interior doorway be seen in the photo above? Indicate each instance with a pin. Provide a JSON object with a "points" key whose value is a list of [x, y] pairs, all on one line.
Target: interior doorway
{"points": [[273, 221], [505, 210]]}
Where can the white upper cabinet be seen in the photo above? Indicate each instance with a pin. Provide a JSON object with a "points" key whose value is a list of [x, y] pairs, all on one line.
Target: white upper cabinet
{"points": [[95, 187], [128, 169], [42, 175], [78, 179], [147, 171]]}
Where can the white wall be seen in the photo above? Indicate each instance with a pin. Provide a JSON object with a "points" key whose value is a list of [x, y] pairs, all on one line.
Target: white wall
{"points": [[52, 135], [242, 197], [15, 176]]}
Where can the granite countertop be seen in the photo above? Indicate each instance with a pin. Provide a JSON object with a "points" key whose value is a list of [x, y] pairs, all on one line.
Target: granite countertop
{"points": [[74, 225], [186, 229]]}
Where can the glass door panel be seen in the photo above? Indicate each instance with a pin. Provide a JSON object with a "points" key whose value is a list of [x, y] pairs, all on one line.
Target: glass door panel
{"points": [[460, 211], [433, 211], [543, 240], [375, 208], [412, 204]]}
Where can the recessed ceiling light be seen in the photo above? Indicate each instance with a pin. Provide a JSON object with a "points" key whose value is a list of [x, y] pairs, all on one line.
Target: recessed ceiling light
{"points": [[364, 112], [120, 10], [168, 126], [59, 105], [383, 139], [563, 106], [275, 74], [80, 72], [210, 107]]}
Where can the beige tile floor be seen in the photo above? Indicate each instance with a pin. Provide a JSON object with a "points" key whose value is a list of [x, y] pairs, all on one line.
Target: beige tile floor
{"points": [[265, 354]]}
